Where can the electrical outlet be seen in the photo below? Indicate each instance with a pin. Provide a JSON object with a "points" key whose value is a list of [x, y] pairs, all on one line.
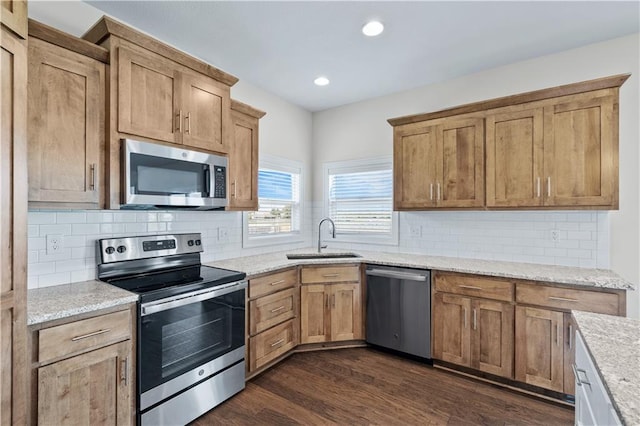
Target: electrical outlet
{"points": [[555, 235], [415, 231], [223, 234], [55, 243]]}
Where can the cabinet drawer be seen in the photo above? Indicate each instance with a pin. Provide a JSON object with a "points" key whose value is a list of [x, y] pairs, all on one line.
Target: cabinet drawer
{"points": [[330, 274], [473, 285], [270, 310], [567, 299], [269, 345], [272, 282], [83, 335]]}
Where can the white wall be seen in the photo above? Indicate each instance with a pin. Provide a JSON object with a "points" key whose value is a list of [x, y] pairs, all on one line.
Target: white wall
{"points": [[361, 130]]}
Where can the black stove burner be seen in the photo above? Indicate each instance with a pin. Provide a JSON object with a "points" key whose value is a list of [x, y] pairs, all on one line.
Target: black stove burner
{"points": [[158, 285]]}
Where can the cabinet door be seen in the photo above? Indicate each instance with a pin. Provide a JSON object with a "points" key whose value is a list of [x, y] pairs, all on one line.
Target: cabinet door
{"points": [[93, 388], [580, 155], [207, 108], [13, 222], [451, 330], [13, 14], [147, 96], [515, 158], [461, 164], [346, 312], [243, 163], [66, 125], [492, 337], [569, 353], [539, 347], [415, 176], [315, 319]]}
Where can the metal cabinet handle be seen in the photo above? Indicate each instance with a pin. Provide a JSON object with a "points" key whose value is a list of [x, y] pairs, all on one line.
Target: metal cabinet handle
{"points": [[469, 287], [92, 177], [562, 299], [276, 343], [326, 302], [538, 186], [557, 334], [570, 336], [330, 275], [548, 186], [234, 189], [179, 121], [333, 301], [124, 371], [475, 319], [276, 282], [576, 374], [187, 124], [431, 191], [438, 191], [464, 317], [273, 311], [95, 333]]}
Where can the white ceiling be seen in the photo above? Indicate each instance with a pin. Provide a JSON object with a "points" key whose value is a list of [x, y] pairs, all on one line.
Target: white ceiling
{"points": [[282, 46]]}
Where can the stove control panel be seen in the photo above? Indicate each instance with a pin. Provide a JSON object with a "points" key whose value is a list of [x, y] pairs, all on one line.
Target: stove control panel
{"points": [[132, 248]]}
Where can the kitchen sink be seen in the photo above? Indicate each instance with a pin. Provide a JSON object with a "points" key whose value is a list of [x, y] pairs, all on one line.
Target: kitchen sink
{"points": [[322, 255]]}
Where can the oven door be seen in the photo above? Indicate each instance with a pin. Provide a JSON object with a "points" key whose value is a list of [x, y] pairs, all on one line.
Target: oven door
{"points": [[188, 338]]}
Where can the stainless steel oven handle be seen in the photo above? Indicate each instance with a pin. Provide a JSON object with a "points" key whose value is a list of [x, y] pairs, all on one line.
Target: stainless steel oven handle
{"points": [[175, 302], [396, 274]]}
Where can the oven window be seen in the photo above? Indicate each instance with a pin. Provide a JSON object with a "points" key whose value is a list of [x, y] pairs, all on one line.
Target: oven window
{"points": [[180, 339], [161, 176]]}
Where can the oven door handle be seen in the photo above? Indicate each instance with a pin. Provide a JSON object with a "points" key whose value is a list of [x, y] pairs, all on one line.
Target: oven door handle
{"points": [[175, 302]]}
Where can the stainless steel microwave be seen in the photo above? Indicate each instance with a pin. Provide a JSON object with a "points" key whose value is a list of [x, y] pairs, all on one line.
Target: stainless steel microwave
{"points": [[162, 176]]}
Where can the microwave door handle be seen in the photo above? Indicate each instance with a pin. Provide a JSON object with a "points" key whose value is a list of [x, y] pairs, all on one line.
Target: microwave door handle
{"points": [[207, 181]]}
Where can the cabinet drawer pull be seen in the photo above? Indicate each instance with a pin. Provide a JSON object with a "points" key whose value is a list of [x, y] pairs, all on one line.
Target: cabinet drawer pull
{"points": [[278, 342], [563, 299], [469, 287], [277, 282], [330, 275], [464, 317], [557, 334], [438, 191], [475, 319], [95, 333], [431, 191], [570, 336], [92, 177], [538, 186], [549, 186], [273, 311]]}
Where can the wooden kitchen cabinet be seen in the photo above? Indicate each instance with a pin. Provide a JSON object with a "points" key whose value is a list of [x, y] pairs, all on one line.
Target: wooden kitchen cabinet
{"points": [[439, 164], [473, 331], [13, 14], [243, 157], [13, 222], [66, 121], [83, 370], [273, 318], [330, 311]]}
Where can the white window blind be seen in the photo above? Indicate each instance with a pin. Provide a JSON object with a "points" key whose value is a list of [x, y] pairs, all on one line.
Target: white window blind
{"points": [[279, 204], [361, 202]]}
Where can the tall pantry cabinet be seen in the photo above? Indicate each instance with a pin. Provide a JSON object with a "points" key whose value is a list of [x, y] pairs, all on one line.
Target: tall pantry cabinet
{"points": [[13, 215]]}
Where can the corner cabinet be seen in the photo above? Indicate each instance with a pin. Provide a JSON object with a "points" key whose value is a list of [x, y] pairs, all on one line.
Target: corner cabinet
{"points": [[13, 221], [555, 148], [84, 370], [330, 304], [243, 157], [66, 122]]}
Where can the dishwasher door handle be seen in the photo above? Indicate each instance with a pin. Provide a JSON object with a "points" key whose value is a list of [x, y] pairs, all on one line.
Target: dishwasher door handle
{"points": [[396, 274]]}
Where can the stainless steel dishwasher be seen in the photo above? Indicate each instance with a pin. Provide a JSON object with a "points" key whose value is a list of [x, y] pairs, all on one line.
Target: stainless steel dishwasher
{"points": [[399, 309]]}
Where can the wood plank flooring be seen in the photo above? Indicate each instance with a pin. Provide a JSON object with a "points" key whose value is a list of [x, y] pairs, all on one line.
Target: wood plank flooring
{"points": [[365, 386]]}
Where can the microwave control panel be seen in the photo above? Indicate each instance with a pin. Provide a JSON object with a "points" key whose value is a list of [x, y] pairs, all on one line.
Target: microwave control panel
{"points": [[220, 179]]}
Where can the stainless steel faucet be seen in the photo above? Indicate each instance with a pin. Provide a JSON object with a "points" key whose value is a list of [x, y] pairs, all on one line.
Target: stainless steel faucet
{"points": [[333, 231]]}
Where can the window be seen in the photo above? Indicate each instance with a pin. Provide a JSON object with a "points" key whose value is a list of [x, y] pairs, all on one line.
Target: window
{"points": [[359, 199], [278, 219]]}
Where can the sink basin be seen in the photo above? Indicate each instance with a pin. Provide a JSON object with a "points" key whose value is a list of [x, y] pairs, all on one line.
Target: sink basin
{"points": [[321, 255]]}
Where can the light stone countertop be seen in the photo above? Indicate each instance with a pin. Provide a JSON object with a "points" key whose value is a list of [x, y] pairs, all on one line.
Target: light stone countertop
{"points": [[62, 301], [614, 344], [603, 278]]}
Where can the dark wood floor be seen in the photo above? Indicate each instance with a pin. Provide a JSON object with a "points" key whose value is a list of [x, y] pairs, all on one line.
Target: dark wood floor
{"points": [[365, 386]]}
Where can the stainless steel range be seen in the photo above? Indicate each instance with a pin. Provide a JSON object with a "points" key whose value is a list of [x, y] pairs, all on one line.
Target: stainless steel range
{"points": [[191, 324]]}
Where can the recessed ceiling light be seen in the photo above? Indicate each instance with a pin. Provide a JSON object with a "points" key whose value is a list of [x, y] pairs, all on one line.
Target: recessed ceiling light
{"points": [[321, 81], [373, 28]]}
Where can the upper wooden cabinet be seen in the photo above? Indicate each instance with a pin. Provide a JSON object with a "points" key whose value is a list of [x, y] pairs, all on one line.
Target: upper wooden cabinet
{"points": [[160, 93], [553, 148], [13, 14], [243, 157], [439, 164], [66, 121]]}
